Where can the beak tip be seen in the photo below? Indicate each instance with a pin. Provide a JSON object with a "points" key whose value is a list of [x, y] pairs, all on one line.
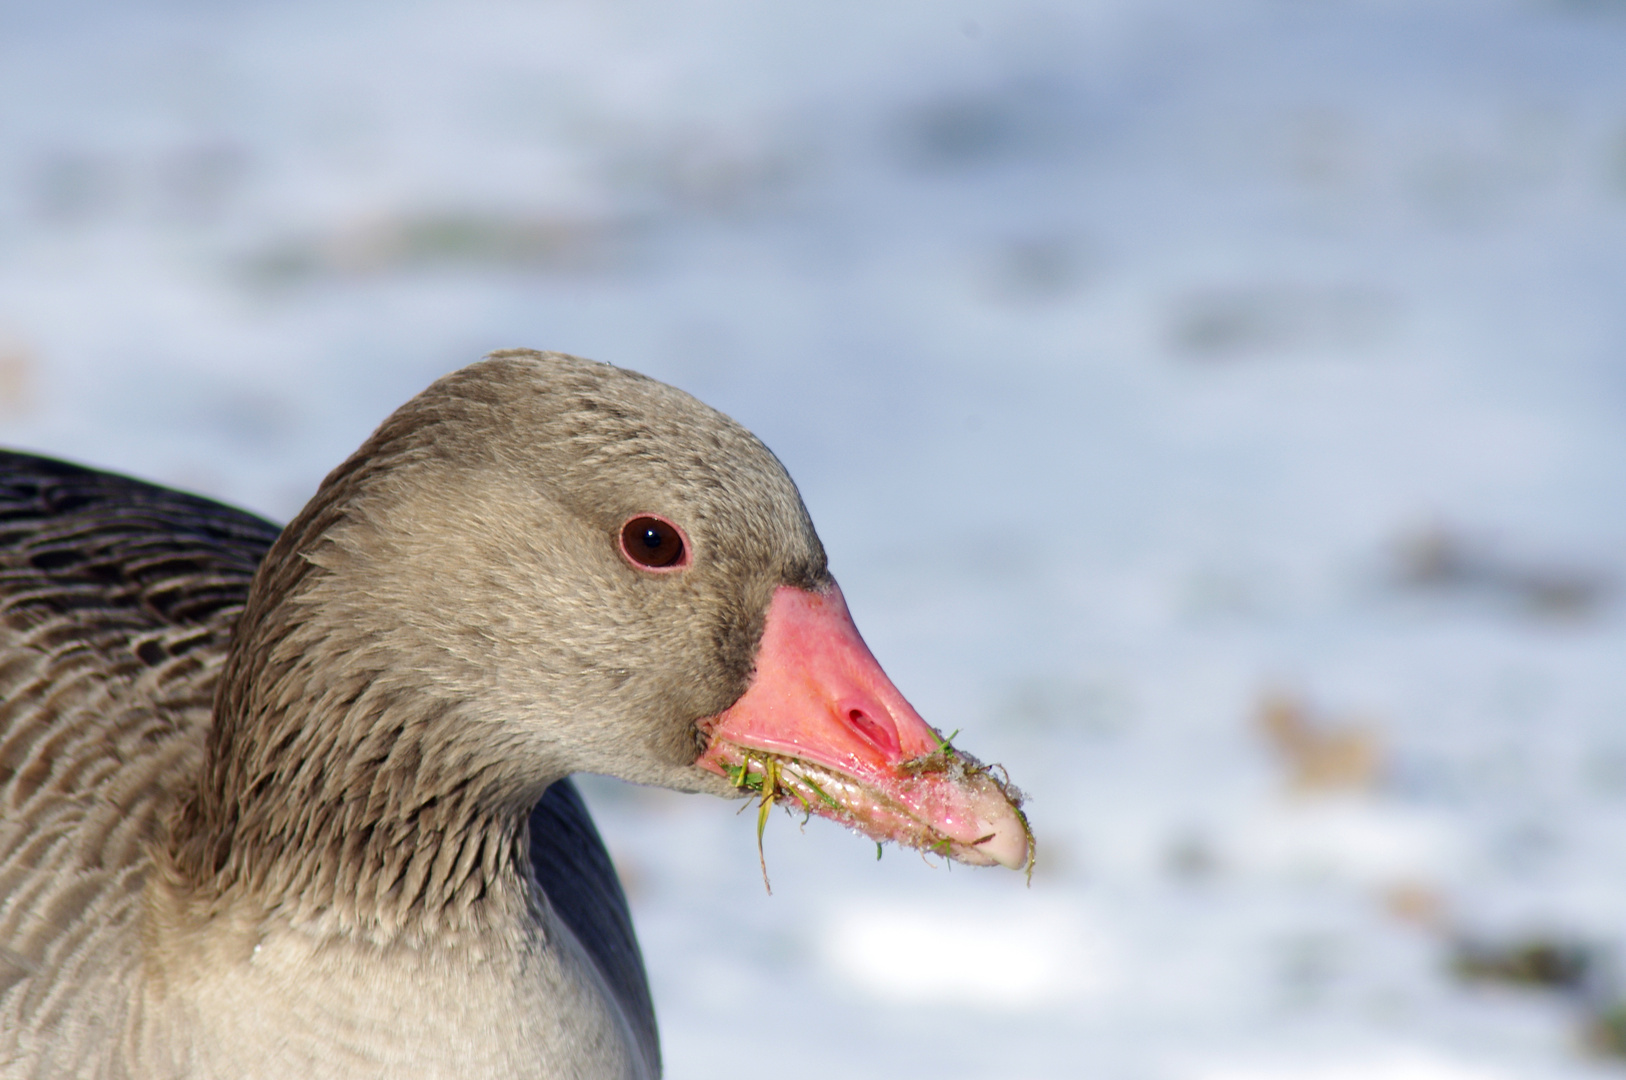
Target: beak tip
{"points": [[1008, 846]]}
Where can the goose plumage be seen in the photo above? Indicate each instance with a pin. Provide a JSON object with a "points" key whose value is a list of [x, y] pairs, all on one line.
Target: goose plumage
{"points": [[296, 803]]}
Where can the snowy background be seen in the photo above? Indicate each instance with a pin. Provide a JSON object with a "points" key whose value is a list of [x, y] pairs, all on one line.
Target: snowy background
{"points": [[1216, 410]]}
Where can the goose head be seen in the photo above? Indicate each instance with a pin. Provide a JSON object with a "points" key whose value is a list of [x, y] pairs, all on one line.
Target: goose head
{"points": [[544, 565]]}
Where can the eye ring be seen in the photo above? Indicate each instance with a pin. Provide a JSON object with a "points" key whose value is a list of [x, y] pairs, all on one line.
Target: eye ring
{"points": [[654, 544]]}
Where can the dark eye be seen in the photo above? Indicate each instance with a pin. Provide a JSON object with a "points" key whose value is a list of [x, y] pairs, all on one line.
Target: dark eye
{"points": [[653, 543]]}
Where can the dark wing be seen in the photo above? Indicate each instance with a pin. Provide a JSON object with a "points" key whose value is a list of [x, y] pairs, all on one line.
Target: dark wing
{"points": [[575, 871], [121, 552], [117, 600]]}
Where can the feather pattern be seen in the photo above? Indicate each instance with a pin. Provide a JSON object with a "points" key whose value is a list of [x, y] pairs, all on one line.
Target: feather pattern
{"points": [[117, 602]]}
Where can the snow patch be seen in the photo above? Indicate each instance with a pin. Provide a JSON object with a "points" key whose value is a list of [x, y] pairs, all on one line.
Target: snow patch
{"points": [[1009, 955]]}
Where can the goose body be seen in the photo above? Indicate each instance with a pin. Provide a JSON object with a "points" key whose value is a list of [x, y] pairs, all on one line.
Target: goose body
{"points": [[296, 804]]}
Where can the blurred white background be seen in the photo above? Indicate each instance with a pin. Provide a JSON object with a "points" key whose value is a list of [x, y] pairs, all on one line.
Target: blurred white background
{"points": [[1217, 411]]}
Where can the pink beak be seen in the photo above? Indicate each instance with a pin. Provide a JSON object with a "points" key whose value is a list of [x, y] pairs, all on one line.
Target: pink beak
{"points": [[822, 722]]}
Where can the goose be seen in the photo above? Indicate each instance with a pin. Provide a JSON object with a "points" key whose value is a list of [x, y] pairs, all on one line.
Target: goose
{"points": [[297, 803]]}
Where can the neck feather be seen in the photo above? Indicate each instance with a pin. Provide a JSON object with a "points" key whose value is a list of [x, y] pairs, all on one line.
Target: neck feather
{"points": [[340, 787], [371, 813], [397, 830]]}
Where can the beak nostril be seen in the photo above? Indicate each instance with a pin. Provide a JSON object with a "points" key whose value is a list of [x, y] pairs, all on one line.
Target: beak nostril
{"points": [[879, 734]]}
